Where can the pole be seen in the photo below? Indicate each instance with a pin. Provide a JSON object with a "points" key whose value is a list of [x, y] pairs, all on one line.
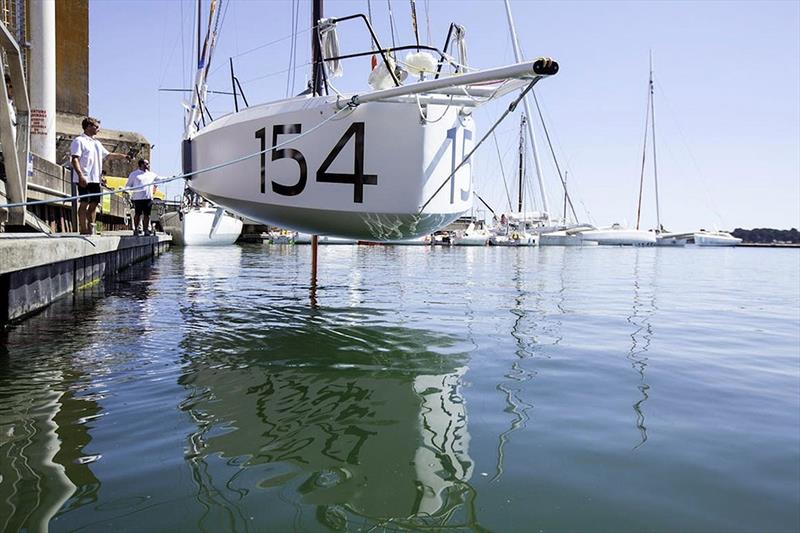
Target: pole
{"points": [[199, 16], [316, 53], [518, 58], [314, 246], [521, 161], [43, 79], [653, 129], [233, 87]]}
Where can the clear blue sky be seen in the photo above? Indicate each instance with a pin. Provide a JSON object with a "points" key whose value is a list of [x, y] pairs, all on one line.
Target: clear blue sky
{"points": [[727, 103]]}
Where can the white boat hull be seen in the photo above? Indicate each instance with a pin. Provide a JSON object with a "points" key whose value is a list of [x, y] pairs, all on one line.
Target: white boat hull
{"points": [[620, 237], [562, 238], [515, 239], [475, 239], [715, 239], [193, 227], [670, 241], [365, 175]]}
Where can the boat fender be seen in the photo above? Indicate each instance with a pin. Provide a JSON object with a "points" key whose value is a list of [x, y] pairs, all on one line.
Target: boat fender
{"points": [[380, 77]]}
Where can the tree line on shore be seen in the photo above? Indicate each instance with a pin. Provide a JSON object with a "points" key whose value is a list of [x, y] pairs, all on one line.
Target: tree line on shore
{"points": [[767, 235]]}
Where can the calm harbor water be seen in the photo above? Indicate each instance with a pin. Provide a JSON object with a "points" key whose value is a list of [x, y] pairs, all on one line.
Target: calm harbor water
{"points": [[597, 389]]}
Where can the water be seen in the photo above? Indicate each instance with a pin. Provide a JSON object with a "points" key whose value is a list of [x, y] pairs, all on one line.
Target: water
{"points": [[600, 389]]}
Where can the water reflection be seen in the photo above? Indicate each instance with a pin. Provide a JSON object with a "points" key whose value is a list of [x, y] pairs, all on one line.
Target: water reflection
{"points": [[359, 422], [47, 407], [642, 311], [525, 344]]}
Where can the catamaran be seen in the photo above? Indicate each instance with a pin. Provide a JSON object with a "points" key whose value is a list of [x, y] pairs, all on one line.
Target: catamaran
{"points": [[393, 163]]}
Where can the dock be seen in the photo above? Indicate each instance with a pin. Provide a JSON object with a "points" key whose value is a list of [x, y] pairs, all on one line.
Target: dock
{"points": [[36, 269]]}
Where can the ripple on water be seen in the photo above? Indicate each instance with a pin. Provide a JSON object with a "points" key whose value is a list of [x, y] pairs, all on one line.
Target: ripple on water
{"points": [[597, 389]]}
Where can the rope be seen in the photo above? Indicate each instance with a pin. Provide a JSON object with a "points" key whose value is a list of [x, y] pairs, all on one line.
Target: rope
{"points": [[555, 159], [502, 171], [511, 107], [187, 175], [426, 119]]}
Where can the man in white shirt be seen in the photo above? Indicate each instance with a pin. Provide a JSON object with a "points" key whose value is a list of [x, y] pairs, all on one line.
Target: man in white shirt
{"points": [[87, 155], [142, 196]]}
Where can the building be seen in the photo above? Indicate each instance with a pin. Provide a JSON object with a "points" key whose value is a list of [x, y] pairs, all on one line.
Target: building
{"points": [[47, 176]]}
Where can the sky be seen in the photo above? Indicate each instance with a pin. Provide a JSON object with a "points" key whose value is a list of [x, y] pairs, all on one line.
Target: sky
{"points": [[727, 99]]}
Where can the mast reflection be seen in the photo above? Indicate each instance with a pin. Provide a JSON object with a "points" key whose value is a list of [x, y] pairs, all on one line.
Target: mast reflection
{"points": [[642, 311]]}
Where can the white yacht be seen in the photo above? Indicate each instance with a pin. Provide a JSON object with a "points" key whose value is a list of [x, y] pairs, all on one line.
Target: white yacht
{"points": [[204, 226], [471, 236], [617, 235]]}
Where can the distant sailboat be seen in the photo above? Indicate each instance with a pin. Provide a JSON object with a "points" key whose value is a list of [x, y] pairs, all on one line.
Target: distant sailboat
{"points": [[663, 238], [201, 225], [617, 234]]}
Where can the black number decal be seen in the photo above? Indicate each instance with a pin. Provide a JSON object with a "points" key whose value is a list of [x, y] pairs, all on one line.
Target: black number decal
{"points": [[286, 190], [262, 134], [465, 193], [451, 136], [357, 178]]}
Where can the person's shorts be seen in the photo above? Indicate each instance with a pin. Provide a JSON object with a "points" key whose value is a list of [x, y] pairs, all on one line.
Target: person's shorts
{"points": [[142, 207], [91, 188]]}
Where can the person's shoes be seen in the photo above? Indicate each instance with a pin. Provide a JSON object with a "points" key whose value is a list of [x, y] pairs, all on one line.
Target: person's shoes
{"points": [[147, 233], [136, 232], [93, 231]]}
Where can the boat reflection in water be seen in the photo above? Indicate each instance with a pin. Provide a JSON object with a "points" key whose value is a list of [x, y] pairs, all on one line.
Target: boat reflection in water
{"points": [[353, 421]]}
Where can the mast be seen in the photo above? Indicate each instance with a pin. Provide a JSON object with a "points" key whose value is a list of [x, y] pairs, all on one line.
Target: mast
{"points": [[518, 59], [200, 87], [316, 53], [523, 120], [566, 173], [653, 126]]}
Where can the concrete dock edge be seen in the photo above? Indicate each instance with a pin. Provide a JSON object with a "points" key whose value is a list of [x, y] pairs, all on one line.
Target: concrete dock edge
{"points": [[37, 269]]}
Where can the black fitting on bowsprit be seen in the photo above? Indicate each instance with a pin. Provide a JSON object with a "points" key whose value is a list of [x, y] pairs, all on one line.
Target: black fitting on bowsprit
{"points": [[544, 66]]}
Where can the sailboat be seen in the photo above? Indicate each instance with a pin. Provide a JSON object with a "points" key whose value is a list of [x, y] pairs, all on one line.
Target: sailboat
{"points": [[517, 229], [393, 163], [618, 234], [197, 222], [663, 238], [201, 226]]}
